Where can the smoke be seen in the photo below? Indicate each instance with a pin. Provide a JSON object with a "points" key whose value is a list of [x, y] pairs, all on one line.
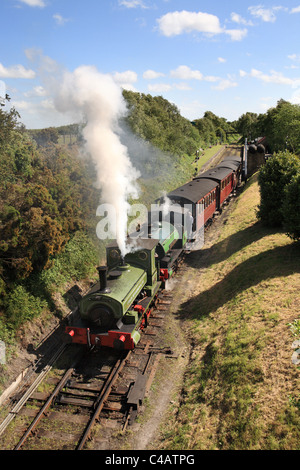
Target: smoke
{"points": [[98, 100], [119, 157], [148, 159]]}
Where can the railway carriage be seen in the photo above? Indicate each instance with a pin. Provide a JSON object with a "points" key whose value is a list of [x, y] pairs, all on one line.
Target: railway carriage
{"points": [[201, 196], [225, 182], [116, 309]]}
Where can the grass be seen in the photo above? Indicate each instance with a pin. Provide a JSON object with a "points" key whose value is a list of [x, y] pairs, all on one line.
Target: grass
{"points": [[241, 388]]}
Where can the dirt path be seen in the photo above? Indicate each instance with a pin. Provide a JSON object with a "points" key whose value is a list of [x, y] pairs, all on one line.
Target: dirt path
{"points": [[165, 395], [167, 398]]}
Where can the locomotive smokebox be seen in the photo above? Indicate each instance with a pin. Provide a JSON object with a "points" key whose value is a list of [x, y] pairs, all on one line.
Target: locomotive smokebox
{"points": [[102, 270]]}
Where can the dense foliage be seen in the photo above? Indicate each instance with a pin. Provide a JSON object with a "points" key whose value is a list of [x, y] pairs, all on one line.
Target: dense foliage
{"points": [[158, 121], [46, 199], [280, 192], [280, 125], [48, 203], [213, 129], [291, 207]]}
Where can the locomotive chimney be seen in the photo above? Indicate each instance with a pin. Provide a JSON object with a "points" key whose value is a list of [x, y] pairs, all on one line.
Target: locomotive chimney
{"points": [[102, 270]]}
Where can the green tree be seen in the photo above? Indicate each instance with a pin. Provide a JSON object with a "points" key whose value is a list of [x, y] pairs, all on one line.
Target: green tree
{"points": [[273, 178], [45, 137], [291, 208], [159, 122], [281, 126], [246, 125], [8, 122], [212, 128]]}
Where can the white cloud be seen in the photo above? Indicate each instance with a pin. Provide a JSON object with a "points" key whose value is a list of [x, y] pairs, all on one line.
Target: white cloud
{"points": [[294, 57], [273, 77], [165, 87], [48, 104], [192, 110], [185, 73], [236, 34], [224, 84], [34, 3], [221, 60], [179, 22], [22, 105], [36, 91], [236, 18], [159, 87], [16, 71], [126, 79], [151, 75], [60, 20], [132, 3], [211, 78], [295, 10], [265, 14], [129, 76], [182, 86], [37, 115]]}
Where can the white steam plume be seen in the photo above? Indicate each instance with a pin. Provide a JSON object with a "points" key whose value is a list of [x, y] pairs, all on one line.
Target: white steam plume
{"points": [[98, 99]]}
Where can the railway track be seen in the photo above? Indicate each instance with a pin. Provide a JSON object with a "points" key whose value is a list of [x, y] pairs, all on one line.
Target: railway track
{"points": [[99, 393]]}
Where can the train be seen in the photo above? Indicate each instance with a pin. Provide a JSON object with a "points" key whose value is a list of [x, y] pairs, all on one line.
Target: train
{"points": [[115, 311]]}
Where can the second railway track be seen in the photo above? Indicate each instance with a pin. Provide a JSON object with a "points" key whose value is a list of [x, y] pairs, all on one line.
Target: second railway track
{"points": [[90, 395]]}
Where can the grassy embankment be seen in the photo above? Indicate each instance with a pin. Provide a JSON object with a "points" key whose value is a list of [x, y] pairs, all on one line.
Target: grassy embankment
{"points": [[241, 389]]}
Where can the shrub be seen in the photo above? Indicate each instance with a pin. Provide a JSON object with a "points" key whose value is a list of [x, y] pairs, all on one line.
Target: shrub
{"points": [[21, 306], [291, 208], [273, 178], [76, 261]]}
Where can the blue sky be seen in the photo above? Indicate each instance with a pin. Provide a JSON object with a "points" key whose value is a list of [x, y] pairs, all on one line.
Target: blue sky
{"points": [[225, 57]]}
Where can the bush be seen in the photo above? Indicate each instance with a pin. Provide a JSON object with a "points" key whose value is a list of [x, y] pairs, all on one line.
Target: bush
{"points": [[291, 208], [273, 178], [21, 306], [76, 261]]}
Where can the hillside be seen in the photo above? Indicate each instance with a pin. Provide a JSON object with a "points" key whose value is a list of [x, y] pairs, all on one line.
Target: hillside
{"points": [[48, 200], [238, 305]]}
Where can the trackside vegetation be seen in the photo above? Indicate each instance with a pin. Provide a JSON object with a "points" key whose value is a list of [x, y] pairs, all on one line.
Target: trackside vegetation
{"points": [[241, 388], [279, 193], [48, 202], [280, 125]]}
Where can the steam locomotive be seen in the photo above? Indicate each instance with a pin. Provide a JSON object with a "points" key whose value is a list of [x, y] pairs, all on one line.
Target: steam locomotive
{"points": [[116, 309]]}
